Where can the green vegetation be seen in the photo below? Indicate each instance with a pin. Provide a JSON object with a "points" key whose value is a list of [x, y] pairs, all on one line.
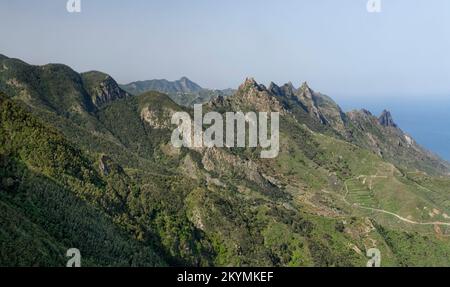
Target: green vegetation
{"points": [[44, 182], [184, 92], [83, 165]]}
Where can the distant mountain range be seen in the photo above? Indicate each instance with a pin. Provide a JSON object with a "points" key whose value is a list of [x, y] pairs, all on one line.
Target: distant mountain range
{"points": [[183, 91], [86, 164]]}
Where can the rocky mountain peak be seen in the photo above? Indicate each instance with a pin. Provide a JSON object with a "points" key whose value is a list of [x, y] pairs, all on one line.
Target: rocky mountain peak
{"points": [[306, 91], [366, 112], [272, 84], [274, 88], [250, 83], [386, 119], [252, 96], [188, 86], [306, 97], [102, 88], [289, 86], [285, 90]]}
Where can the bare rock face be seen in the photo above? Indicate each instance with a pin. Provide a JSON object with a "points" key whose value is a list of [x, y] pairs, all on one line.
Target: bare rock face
{"points": [[157, 118], [317, 106], [379, 134], [306, 97], [287, 90], [250, 96], [103, 165], [385, 138], [108, 91], [102, 88], [107, 166], [363, 119], [386, 119], [223, 163]]}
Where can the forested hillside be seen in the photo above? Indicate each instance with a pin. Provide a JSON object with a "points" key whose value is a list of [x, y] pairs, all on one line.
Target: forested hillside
{"points": [[86, 165]]}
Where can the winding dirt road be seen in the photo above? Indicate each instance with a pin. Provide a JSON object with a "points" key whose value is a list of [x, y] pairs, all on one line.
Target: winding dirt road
{"points": [[391, 213]]}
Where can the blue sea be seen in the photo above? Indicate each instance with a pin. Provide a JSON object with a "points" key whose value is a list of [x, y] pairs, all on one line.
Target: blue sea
{"points": [[426, 119]]}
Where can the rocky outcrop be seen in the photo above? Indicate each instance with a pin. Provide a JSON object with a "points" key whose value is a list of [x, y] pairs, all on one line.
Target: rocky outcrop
{"points": [[157, 117], [323, 108], [320, 113], [107, 166], [108, 91], [250, 96], [103, 166], [304, 102], [287, 90], [225, 164], [102, 88], [383, 136], [386, 119], [308, 100]]}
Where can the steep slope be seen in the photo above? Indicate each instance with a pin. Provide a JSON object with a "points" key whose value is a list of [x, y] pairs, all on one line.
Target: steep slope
{"points": [[62, 97], [310, 206], [46, 188], [306, 112], [53, 86], [321, 172], [381, 135], [102, 88], [57, 87], [323, 108], [386, 119], [386, 139], [250, 96]]}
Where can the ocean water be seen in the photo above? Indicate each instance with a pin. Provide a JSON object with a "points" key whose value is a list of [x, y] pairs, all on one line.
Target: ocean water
{"points": [[426, 119]]}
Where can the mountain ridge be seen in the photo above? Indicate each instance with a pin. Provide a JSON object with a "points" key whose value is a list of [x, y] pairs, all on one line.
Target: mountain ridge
{"points": [[333, 192], [183, 91], [381, 134]]}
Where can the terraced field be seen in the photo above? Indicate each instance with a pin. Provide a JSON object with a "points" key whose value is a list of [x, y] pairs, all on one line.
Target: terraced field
{"points": [[389, 195], [360, 193]]}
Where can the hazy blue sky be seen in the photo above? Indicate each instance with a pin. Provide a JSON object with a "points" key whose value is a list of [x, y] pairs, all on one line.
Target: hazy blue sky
{"points": [[335, 45]]}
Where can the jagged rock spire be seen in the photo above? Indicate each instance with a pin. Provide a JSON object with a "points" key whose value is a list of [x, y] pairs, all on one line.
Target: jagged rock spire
{"points": [[305, 86], [251, 83], [306, 91], [289, 86], [254, 95], [386, 119], [274, 88]]}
